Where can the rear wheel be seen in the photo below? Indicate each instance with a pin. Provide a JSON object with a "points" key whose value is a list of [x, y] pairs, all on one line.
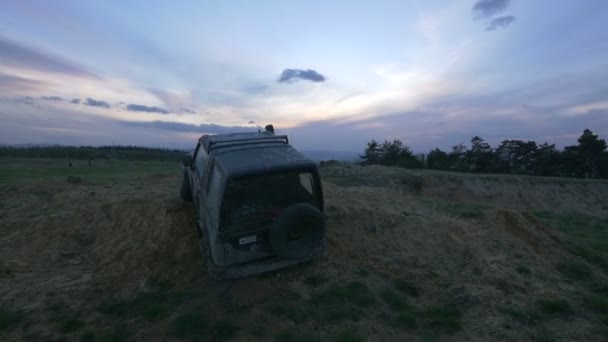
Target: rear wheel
{"points": [[185, 192]]}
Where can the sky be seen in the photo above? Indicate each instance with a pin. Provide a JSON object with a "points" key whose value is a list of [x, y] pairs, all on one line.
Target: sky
{"points": [[331, 74]]}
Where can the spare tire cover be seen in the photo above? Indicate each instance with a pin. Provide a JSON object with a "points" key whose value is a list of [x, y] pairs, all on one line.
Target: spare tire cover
{"points": [[297, 232]]}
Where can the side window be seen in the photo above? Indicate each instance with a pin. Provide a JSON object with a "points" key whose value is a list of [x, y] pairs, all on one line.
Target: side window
{"points": [[201, 160], [214, 190], [306, 181]]}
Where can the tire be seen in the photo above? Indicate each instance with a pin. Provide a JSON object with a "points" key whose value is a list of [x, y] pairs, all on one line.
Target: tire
{"points": [[297, 232], [185, 192]]}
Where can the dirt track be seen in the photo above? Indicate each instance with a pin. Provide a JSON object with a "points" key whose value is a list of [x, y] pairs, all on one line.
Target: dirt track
{"points": [[74, 244]]}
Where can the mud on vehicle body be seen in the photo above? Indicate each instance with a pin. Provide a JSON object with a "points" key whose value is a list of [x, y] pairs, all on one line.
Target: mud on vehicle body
{"points": [[259, 203]]}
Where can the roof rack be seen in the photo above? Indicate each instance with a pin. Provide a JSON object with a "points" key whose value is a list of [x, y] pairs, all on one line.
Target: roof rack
{"points": [[210, 144]]}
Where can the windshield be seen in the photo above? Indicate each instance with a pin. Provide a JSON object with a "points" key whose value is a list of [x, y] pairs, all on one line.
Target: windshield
{"points": [[253, 202]]}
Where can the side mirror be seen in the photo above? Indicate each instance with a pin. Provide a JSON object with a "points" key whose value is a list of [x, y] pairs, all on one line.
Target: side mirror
{"points": [[187, 161]]}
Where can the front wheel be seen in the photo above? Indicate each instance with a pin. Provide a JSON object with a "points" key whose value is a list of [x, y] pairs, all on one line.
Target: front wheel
{"points": [[185, 192]]}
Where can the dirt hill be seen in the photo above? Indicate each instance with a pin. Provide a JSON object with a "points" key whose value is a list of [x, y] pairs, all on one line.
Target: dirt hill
{"points": [[413, 255]]}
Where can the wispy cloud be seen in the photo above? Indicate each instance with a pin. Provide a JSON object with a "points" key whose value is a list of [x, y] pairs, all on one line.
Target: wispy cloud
{"points": [[187, 111], [187, 128], [75, 101], [294, 75], [15, 84], [52, 98], [20, 56], [500, 22], [23, 99], [96, 103], [141, 108], [487, 8]]}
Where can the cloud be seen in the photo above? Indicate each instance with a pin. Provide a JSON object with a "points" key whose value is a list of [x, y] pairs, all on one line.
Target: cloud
{"points": [[187, 128], [251, 122], [141, 108], [23, 99], [19, 56], [294, 75], [96, 103], [172, 100], [187, 110], [14, 84], [75, 101], [500, 22], [488, 8], [52, 98]]}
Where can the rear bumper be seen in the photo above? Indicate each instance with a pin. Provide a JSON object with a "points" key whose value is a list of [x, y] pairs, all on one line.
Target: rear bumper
{"points": [[261, 266]]}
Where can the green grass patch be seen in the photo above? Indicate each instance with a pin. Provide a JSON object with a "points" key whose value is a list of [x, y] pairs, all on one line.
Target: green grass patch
{"points": [[342, 301], [413, 183], [604, 332], [118, 333], [362, 272], [114, 307], [191, 326], [151, 305], [457, 209], [224, 330], [519, 315], [258, 331], [293, 336], [406, 287], [575, 270], [586, 236], [406, 320], [554, 306], [28, 170], [9, 319], [71, 325], [315, 280], [394, 301], [447, 318], [523, 270], [295, 312], [348, 335], [58, 311], [88, 336], [599, 304]]}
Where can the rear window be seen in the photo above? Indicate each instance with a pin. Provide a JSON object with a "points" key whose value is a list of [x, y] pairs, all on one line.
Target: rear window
{"points": [[254, 202]]}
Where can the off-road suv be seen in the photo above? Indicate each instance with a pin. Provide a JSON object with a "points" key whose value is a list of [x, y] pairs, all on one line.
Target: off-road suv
{"points": [[259, 203]]}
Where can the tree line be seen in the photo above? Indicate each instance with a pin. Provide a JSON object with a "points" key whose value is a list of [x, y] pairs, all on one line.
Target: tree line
{"points": [[587, 159], [91, 152]]}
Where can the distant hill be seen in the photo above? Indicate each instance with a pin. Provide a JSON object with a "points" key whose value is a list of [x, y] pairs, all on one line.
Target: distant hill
{"points": [[329, 155]]}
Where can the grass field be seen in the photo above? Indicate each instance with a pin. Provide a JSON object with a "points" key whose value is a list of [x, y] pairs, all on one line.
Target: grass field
{"points": [[26, 170], [414, 255]]}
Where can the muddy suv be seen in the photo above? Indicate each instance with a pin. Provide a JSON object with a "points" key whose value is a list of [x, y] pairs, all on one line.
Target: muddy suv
{"points": [[259, 203]]}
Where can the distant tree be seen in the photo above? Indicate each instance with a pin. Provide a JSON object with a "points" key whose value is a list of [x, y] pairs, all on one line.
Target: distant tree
{"points": [[391, 152], [408, 159], [437, 159], [603, 165], [457, 158], [480, 156], [587, 159], [516, 156], [372, 153], [547, 161], [590, 149]]}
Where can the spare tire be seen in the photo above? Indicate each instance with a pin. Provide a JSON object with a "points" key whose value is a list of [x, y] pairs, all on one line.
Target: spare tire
{"points": [[297, 232]]}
